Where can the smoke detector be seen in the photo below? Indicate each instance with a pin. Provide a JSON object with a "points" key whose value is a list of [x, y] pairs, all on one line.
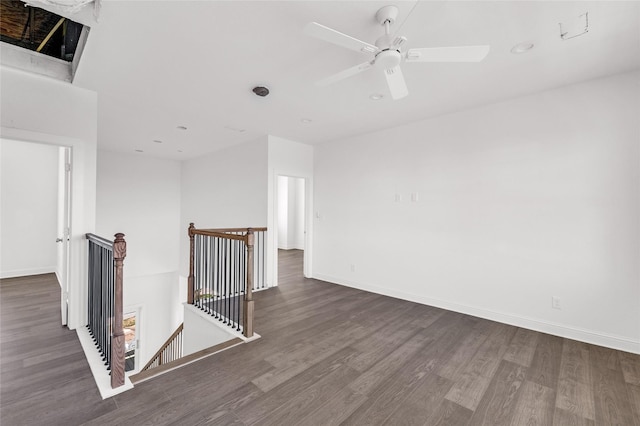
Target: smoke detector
{"points": [[261, 91]]}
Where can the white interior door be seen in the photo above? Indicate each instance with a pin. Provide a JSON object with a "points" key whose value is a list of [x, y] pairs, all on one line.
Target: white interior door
{"points": [[64, 230]]}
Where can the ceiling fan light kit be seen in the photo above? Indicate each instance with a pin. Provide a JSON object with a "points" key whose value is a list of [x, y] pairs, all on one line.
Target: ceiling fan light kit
{"points": [[388, 54]]}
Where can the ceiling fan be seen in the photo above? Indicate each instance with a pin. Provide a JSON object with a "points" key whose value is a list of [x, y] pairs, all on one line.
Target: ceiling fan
{"points": [[387, 52]]}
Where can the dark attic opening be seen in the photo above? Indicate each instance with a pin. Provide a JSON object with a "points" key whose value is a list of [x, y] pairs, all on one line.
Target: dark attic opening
{"points": [[38, 30]]}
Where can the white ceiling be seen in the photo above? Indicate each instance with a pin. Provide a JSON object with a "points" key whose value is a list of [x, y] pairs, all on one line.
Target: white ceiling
{"points": [[157, 65]]}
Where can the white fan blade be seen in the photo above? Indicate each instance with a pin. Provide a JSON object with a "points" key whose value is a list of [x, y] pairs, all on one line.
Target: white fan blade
{"points": [[344, 74], [332, 36], [397, 43], [448, 54], [395, 80]]}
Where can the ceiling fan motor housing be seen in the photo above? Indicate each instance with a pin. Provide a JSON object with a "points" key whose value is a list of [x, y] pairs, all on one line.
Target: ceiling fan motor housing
{"points": [[388, 59], [387, 14]]}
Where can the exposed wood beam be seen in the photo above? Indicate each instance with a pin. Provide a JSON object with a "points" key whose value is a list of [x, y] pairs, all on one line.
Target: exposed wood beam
{"points": [[53, 30], [26, 24]]}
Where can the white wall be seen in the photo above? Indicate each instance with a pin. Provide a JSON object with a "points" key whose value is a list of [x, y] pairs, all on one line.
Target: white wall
{"points": [[29, 208], [201, 331], [157, 296], [44, 110], [288, 158], [516, 202], [140, 197], [226, 189]]}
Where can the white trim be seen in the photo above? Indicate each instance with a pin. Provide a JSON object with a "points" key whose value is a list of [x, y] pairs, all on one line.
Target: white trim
{"points": [[35, 62], [98, 369], [587, 336], [26, 272], [233, 333]]}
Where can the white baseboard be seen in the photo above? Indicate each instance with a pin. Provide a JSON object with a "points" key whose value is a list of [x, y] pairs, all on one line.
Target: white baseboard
{"points": [[587, 336], [26, 272], [98, 369]]}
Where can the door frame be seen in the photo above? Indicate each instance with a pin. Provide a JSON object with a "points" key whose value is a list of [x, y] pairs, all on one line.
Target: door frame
{"points": [[139, 346], [82, 216], [64, 234], [308, 225]]}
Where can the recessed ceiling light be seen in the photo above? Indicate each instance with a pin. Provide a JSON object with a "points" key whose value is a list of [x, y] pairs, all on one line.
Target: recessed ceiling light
{"points": [[523, 47], [376, 96], [139, 150], [181, 128], [157, 141], [306, 120], [235, 129]]}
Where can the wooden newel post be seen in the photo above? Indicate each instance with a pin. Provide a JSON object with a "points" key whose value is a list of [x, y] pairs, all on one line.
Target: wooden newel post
{"points": [[248, 295], [117, 335], [190, 281]]}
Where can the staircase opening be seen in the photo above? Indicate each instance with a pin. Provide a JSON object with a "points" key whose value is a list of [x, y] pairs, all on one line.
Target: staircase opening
{"points": [[226, 265]]}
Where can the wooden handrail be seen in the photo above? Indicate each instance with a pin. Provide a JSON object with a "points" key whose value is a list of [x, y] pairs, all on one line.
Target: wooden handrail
{"points": [[245, 235], [234, 229], [166, 344], [219, 234]]}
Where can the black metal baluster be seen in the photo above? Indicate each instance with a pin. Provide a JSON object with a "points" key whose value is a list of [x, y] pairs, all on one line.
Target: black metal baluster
{"points": [[104, 302], [205, 270], [218, 276], [240, 268], [236, 273], [211, 268], [207, 264], [261, 258], [112, 302], [256, 259], [226, 281], [196, 273], [235, 283], [90, 279], [230, 282]]}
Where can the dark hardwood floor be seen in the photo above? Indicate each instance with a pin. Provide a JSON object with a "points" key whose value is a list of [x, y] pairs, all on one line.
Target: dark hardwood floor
{"points": [[328, 355]]}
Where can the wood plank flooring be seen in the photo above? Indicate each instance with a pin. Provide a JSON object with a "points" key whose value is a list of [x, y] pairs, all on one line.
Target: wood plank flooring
{"points": [[328, 355]]}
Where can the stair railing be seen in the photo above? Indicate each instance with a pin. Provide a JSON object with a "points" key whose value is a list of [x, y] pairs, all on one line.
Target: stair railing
{"points": [[105, 265], [170, 351], [222, 266]]}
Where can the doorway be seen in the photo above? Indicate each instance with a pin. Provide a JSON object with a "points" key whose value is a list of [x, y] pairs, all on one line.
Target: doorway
{"points": [[131, 329], [291, 213], [291, 232], [36, 213]]}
